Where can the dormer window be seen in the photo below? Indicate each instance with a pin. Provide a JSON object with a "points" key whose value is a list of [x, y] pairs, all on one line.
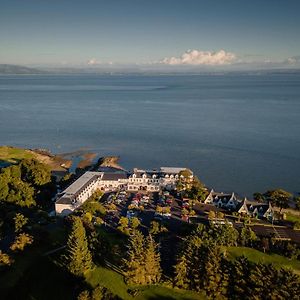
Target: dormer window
{"points": [[133, 176], [144, 176]]}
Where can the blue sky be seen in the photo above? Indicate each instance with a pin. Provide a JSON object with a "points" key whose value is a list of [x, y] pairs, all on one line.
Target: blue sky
{"points": [[56, 32]]}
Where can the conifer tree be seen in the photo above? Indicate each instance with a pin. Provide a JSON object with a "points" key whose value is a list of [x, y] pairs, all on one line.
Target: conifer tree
{"points": [[152, 261], [77, 258], [181, 279], [213, 281], [134, 263], [239, 285]]}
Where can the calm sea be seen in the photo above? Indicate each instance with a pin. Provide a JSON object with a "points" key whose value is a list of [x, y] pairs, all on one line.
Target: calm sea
{"points": [[237, 132]]}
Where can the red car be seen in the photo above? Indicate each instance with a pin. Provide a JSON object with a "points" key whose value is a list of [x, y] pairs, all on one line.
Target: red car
{"points": [[169, 201], [185, 205]]}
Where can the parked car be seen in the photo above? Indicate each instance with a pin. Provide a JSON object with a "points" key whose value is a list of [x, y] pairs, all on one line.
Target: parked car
{"points": [[185, 205]]}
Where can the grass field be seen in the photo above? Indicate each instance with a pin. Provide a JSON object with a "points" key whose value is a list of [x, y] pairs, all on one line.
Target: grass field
{"points": [[258, 256], [13, 155], [292, 218], [116, 284]]}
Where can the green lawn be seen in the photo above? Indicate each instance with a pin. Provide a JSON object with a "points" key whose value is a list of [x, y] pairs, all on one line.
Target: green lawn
{"points": [[13, 155], [258, 256], [116, 284], [292, 218]]}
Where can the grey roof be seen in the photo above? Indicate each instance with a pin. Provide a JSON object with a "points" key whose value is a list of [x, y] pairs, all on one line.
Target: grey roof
{"points": [[171, 170], [77, 186], [65, 200], [81, 182], [114, 176]]}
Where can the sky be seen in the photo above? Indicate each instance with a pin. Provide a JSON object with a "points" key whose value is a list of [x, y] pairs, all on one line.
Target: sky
{"points": [[169, 33]]}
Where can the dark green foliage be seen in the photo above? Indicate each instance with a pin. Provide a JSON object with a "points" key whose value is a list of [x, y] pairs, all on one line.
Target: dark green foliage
{"points": [[152, 261], [98, 293], [142, 264], [19, 184], [77, 259], [134, 262], [20, 221], [278, 197], [247, 236], [297, 202], [224, 235], [197, 190], [238, 285], [199, 267], [35, 172]]}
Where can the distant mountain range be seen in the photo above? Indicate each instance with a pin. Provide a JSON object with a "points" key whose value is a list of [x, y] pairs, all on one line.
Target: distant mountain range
{"points": [[15, 69], [8, 69]]}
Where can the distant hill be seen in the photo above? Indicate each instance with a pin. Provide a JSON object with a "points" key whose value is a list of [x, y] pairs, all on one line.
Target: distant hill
{"points": [[15, 69]]}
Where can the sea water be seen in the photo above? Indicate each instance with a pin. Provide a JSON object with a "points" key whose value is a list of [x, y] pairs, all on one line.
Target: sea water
{"points": [[237, 132]]}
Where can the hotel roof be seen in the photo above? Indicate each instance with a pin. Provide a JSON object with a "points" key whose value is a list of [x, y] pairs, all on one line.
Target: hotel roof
{"points": [[171, 170], [81, 182]]}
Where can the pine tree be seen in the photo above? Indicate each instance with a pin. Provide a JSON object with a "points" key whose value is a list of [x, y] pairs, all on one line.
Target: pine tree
{"points": [[239, 286], [77, 258], [134, 263], [181, 279], [152, 261], [213, 280]]}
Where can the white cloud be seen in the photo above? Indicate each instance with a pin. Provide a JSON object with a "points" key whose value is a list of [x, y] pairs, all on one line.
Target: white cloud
{"points": [[293, 60], [93, 61], [196, 57]]}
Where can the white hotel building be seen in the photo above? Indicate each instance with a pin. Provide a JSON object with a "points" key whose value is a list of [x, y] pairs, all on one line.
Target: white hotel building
{"points": [[147, 180]]}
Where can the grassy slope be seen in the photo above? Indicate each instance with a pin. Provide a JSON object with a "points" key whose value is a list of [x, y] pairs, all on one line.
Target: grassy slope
{"points": [[258, 256], [115, 283], [292, 218], [13, 155]]}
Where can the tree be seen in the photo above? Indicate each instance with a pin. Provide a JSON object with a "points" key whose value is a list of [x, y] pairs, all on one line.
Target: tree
{"points": [[297, 202], [213, 280], [123, 225], [157, 228], [135, 223], [152, 262], [21, 241], [247, 236], [34, 172], [220, 215], [181, 279], [211, 215], [279, 198], [142, 262], [77, 258], [20, 221], [84, 295], [154, 228], [238, 286], [159, 209], [134, 263], [258, 197], [5, 259]]}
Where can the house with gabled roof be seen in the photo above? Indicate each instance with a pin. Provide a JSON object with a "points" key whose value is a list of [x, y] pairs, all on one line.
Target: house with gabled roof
{"points": [[228, 201], [256, 209]]}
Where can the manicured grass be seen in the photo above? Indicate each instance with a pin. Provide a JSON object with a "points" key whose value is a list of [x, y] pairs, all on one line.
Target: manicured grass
{"points": [[109, 279], [44, 281], [13, 155], [292, 218], [164, 293], [116, 284], [258, 256]]}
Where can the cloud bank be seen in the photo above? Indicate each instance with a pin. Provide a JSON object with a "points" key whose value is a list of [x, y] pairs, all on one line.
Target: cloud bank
{"points": [[197, 57], [93, 62]]}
